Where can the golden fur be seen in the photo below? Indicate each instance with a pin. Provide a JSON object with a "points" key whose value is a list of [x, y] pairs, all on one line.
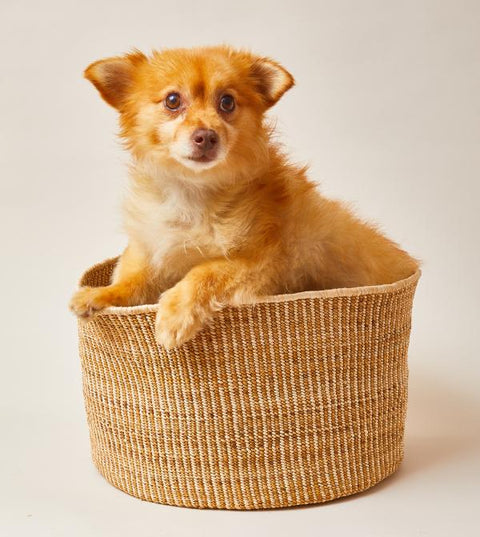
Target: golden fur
{"points": [[205, 234]]}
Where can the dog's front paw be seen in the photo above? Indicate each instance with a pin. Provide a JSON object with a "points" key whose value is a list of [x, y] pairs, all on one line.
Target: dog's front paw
{"points": [[178, 319], [88, 301]]}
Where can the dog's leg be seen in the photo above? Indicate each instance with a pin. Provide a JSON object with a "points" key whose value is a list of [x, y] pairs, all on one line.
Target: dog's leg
{"points": [[131, 285], [185, 308]]}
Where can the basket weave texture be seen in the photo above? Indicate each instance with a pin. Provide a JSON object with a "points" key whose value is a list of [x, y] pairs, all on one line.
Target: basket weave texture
{"points": [[294, 400]]}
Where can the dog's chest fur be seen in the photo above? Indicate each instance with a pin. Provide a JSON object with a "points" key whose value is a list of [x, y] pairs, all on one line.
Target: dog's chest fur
{"points": [[179, 228]]}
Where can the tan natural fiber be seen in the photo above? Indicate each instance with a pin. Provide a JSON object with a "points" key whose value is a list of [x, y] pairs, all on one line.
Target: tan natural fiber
{"points": [[293, 400]]}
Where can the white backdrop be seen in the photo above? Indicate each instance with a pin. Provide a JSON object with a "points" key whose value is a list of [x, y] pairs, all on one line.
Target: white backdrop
{"points": [[386, 111]]}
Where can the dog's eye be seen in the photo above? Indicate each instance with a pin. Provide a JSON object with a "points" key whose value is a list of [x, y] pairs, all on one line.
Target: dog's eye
{"points": [[172, 102], [227, 103]]}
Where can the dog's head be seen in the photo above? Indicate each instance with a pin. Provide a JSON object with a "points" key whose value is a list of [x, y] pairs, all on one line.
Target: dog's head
{"points": [[192, 110]]}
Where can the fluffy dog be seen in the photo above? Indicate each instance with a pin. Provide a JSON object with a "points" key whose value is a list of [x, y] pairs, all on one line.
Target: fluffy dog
{"points": [[215, 214]]}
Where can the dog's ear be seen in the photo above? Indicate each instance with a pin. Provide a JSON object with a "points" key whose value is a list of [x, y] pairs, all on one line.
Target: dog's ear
{"points": [[113, 77], [270, 79]]}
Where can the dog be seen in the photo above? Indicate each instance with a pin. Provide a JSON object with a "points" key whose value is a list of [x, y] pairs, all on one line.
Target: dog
{"points": [[215, 214]]}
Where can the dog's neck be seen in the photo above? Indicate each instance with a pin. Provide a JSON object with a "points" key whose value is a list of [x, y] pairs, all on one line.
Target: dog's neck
{"points": [[153, 180]]}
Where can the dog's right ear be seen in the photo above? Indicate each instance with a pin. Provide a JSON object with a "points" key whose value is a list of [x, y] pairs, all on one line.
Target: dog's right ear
{"points": [[113, 77]]}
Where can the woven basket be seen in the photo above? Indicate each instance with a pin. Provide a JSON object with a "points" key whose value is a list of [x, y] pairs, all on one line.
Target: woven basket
{"points": [[294, 400]]}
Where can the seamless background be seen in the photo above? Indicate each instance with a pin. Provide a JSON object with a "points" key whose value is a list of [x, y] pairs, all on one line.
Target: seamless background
{"points": [[386, 111]]}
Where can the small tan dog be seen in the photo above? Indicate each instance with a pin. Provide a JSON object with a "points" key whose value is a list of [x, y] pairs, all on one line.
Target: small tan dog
{"points": [[216, 215]]}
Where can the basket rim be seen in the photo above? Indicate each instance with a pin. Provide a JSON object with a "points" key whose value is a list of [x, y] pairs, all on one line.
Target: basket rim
{"points": [[288, 297]]}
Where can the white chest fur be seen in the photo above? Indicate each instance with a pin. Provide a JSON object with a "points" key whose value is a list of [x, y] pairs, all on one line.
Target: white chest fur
{"points": [[175, 226]]}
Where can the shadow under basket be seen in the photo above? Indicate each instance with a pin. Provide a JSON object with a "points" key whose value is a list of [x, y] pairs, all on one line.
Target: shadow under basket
{"points": [[293, 400]]}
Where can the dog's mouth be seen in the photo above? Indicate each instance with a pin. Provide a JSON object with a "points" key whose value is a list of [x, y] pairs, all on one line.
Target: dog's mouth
{"points": [[202, 158]]}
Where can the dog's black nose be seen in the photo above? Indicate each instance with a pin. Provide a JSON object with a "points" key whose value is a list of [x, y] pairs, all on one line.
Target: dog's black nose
{"points": [[204, 139]]}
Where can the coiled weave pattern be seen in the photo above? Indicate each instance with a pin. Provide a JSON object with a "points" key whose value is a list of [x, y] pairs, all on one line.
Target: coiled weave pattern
{"points": [[295, 400]]}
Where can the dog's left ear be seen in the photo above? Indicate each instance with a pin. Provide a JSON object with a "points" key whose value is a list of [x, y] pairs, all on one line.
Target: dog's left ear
{"points": [[270, 79]]}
